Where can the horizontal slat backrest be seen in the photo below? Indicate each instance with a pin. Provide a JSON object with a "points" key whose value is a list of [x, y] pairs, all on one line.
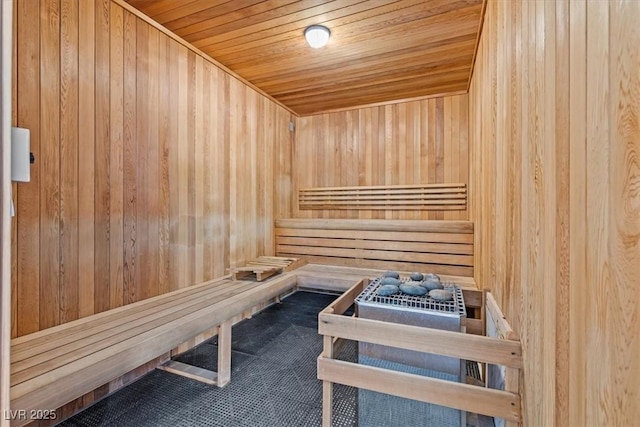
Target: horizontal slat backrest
{"points": [[388, 197], [443, 247]]}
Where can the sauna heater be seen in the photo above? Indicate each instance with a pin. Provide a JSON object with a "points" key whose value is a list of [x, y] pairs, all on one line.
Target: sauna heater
{"points": [[381, 409]]}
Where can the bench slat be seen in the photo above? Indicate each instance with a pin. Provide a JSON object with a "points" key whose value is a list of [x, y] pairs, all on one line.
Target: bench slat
{"points": [[405, 225], [442, 248], [89, 326], [413, 257], [452, 270], [112, 313]]}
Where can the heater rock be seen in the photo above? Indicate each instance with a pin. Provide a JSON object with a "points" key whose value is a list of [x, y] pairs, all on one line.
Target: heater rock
{"points": [[431, 276], [432, 284], [415, 290], [441, 295], [416, 276], [388, 290], [390, 281], [393, 274]]}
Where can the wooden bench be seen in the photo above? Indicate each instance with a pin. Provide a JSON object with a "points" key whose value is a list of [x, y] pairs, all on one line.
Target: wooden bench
{"points": [[57, 365], [449, 196], [442, 247]]}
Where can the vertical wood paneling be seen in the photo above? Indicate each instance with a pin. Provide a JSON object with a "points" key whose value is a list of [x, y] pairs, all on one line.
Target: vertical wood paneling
{"points": [[142, 166], [138, 142], [164, 107], [7, 120], [621, 403], [554, 163], [406, 143], [28, 200], [129, 160], [50, 159], [102, 157], [116, 150], [152, 188], [577, 206], [562, 277], [69, 161], [86, 158]]}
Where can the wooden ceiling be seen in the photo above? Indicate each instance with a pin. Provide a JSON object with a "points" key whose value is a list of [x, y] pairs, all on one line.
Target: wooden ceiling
{"points": [[379, 51]]}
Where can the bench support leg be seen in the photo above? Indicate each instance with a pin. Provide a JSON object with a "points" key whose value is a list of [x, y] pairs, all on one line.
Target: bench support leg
{"points": [[224, 353], [220, 378]]}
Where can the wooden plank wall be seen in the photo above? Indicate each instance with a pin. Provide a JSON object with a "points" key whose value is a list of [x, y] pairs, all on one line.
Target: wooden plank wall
{"points": [[6, 121], [152, 164], [555, 161], [406, 143]]}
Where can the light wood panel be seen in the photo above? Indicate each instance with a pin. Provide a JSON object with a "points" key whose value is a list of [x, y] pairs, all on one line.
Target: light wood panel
{"points": [[419, 142], [378, 51], [555, 136], [138, 141], [129, 192], [7, 97]]}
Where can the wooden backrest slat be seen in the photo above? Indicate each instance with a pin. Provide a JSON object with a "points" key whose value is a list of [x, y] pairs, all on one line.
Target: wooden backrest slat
{"points": [[391, 245], [377, 236], [411, 197], [404, 225]]}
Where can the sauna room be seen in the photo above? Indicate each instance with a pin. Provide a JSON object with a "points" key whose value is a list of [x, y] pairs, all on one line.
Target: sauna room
{"points": [[282, 213]]}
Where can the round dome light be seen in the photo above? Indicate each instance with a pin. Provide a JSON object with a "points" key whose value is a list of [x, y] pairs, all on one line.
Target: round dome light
{"points": [[317, 36]]}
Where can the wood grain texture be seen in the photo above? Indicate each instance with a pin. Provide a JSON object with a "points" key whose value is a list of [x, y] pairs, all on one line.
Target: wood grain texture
{"points": [[28, 201], [554, 128], [264, 43], [399, 144], [69, 161], [442, 247], [117, 185], [7, 120], [50, 159]]}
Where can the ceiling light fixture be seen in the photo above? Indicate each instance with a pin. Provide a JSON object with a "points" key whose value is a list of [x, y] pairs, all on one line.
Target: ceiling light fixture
{"points": [[317, 36]]}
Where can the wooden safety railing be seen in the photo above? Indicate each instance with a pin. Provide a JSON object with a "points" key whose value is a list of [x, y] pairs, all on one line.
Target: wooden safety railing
{"points": [[334, 326], [450, 196]]}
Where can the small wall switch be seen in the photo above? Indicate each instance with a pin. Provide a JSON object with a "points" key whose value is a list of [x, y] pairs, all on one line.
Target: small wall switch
{"points": [[20, 155]]}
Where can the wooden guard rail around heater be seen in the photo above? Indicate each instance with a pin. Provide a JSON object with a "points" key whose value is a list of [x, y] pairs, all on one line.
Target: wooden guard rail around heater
{"points": [[335, 327], [450, 196], [442, 247]]}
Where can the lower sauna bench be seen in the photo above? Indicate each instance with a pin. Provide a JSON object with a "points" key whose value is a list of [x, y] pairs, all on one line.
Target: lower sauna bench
{"points": [[55, 366]]}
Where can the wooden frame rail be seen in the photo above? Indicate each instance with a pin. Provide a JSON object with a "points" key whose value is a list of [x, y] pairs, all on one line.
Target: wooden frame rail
{"points": [[334, 327], [450, 196]]}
